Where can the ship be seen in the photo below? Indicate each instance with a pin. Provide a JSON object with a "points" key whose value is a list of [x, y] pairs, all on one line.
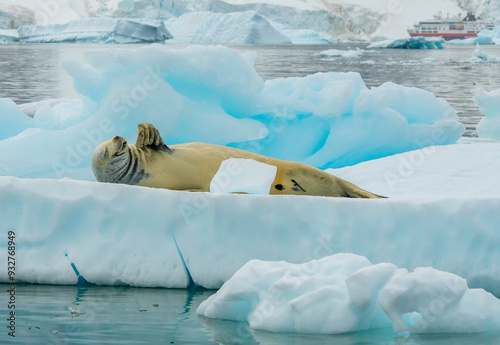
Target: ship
{"points": [[450, 28]]}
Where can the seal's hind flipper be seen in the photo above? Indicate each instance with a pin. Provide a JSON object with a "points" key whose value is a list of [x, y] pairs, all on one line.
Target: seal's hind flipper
{"points": [[361, 193]]}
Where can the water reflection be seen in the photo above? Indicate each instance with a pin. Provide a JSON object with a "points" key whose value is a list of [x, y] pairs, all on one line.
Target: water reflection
{"points": [[106, 315], [124, 315]]}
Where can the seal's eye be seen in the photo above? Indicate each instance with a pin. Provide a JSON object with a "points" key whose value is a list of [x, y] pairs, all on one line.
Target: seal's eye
{"points": [[105, 154]]}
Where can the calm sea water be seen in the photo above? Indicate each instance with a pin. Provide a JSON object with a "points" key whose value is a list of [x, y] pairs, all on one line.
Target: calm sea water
{"points": [[124, 315]]}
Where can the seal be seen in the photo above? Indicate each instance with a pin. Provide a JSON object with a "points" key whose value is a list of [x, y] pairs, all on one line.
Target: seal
{"points": [[191, 167]]}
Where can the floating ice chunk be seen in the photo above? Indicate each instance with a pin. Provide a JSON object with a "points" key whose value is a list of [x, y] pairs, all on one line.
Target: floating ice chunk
{"points": [[410, 43], [213, 94], [282, 297], [224, 28], [76, 312], [489, 105], [102, 30], [493, 34], [345, 293], [333, 53], [239, 175], [481, 56]]}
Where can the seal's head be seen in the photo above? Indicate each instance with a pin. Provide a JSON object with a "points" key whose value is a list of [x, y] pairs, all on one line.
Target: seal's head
{"points": [[110, 160]]}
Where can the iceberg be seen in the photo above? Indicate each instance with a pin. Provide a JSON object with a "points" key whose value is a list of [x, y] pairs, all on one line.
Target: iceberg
{"points": [[410, 43], [489, 105], [224, 28], [96, 30], [213, 94], [494, 34], [7, 36], [345, 293]]}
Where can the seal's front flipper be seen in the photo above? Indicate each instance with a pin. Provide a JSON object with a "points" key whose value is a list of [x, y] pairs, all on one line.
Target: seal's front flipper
{"points": [[149, 136]]}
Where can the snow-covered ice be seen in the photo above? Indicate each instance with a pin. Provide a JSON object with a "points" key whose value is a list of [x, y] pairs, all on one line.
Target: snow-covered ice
{"points": [[96, 30], [489, 105], [466, 169], [410, 43], [345, 292]]}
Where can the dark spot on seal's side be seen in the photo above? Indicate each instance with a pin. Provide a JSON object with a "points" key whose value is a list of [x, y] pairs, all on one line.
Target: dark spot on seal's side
{"points": [[279, 187], [297, 187]]}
